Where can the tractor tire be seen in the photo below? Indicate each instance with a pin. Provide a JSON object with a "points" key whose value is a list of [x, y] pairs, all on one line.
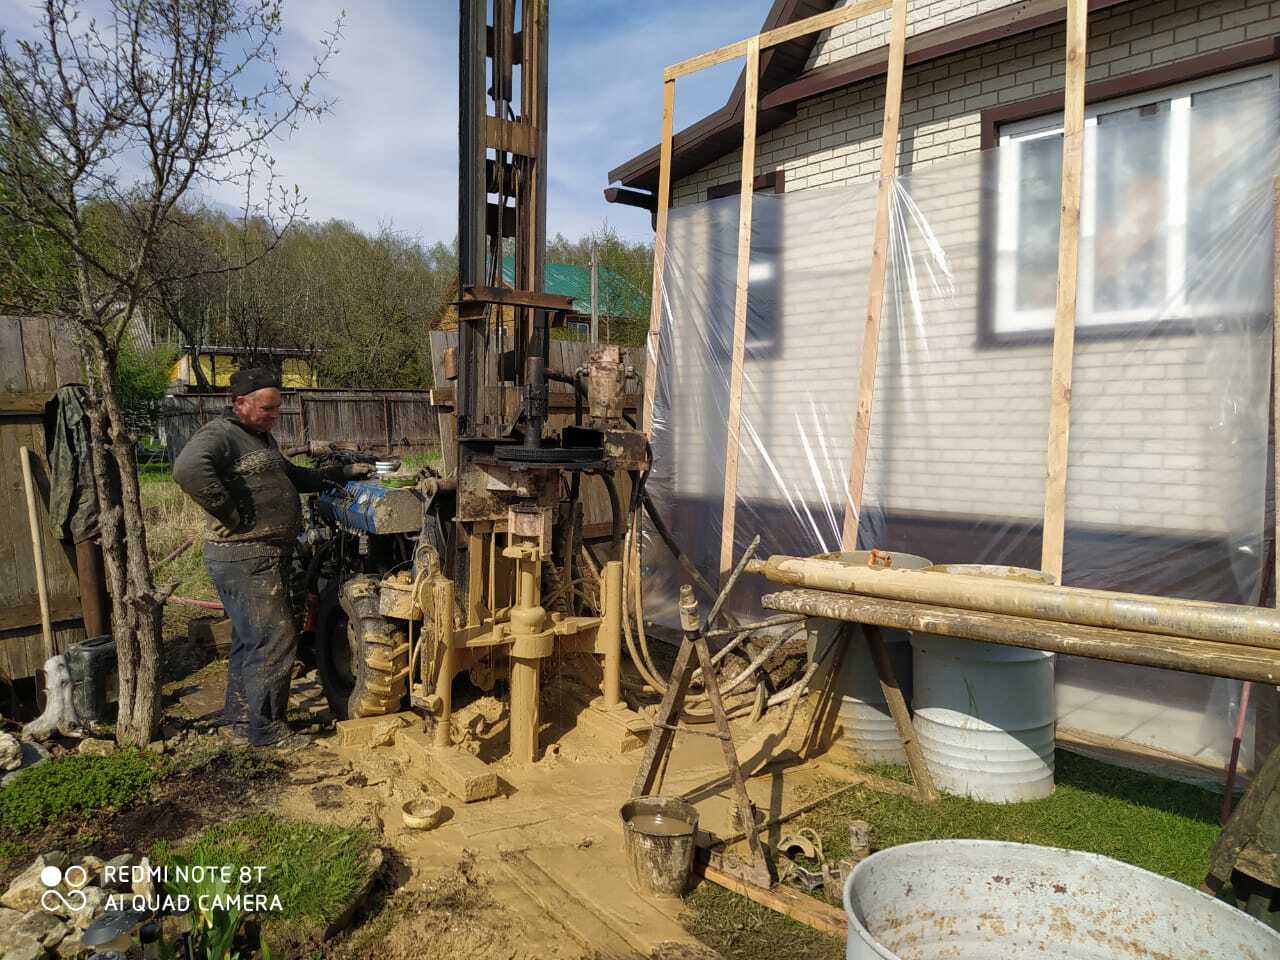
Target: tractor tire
{"points": [[363, 657]]}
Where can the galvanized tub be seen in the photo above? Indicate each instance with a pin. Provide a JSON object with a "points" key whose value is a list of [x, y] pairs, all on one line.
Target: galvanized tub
{"points": [[984, 713], [985, 900], [868, 733]]}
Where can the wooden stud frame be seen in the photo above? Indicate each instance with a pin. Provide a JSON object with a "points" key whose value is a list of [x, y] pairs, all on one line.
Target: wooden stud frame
{"points": [[1064, 320], [1068, 259], [750, 49]]}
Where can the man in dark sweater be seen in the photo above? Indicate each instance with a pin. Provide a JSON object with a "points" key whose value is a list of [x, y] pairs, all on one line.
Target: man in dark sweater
{"points": [[235, 471]]}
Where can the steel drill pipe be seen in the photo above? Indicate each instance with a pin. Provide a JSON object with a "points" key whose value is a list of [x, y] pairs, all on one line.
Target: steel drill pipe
{"points": [[1223, 622]]}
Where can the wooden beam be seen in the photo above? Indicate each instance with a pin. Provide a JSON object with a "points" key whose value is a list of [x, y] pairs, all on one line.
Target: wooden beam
{"points": [[785, 900], [659, 256], [511, 136], [23, 404], [875, 284], [516, 298], [901, 716], [21, 615], [748, 175], [771, 38], [1210, 658], [1064, 320]]}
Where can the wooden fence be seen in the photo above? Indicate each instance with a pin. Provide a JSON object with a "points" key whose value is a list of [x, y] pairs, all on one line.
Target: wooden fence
{"points": [[386, 421]]}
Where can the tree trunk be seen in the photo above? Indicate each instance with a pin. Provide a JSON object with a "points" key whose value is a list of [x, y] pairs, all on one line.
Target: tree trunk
{"points": [[136, 611]]}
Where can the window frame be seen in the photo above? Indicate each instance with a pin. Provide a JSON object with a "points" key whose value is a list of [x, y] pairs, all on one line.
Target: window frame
{"points": [[1260, 58]]}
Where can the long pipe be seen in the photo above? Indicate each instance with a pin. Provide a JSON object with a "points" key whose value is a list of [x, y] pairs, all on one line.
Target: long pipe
{"points": [[1228, 623]]}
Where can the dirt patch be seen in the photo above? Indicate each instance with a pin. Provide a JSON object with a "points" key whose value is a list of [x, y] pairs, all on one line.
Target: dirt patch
{"points": [[445, 917]]}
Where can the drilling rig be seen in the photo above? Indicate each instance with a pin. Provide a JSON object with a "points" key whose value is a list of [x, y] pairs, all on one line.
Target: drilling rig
{"points": [[494, 547]]}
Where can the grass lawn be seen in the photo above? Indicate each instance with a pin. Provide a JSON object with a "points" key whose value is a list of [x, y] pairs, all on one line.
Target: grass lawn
{"points": [[1160, 825], [314, 869]]}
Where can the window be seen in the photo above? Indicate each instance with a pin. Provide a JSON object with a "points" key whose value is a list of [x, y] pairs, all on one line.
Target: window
{"points": [[1156, 199]]}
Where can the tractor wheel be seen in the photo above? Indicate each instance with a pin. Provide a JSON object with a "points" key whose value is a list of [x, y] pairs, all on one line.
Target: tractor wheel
{"points": [[362, 656]]}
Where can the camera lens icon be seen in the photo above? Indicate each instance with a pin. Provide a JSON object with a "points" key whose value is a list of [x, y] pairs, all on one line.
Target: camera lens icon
{"points": [[75, 878]]}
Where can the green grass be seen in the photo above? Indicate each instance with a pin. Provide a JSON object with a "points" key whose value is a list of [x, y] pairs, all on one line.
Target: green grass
{"points": [[739, 929], [75, 786], [1160, 825], [314, 869], [416, 461]]}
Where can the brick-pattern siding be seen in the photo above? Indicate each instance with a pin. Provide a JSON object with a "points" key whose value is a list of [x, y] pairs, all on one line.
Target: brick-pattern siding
{"points": [[960, 427], [835, 138]]}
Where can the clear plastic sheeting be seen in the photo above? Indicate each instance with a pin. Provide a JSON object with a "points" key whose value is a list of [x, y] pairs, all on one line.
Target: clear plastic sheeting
{"points": [[1170, 401]]}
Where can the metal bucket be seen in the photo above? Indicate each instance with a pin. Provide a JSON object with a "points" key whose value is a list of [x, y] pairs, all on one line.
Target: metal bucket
{"points": [[659, 834], [984, 713], [869, 734], [985, 900]]}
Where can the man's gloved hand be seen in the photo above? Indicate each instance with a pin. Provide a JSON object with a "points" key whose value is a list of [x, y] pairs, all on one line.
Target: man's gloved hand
{"points": [[357, 471]]}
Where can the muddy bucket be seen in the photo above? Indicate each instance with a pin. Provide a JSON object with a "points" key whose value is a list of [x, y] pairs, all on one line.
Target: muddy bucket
{"points": [[659, 835], [986, 900]]}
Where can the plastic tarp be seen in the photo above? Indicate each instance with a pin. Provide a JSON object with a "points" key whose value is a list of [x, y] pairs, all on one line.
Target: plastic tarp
{"points": [[1167, 475]]}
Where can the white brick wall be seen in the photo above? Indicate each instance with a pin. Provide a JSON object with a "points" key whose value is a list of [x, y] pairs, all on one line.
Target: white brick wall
{"points": [[959, 428], [835, 138]]}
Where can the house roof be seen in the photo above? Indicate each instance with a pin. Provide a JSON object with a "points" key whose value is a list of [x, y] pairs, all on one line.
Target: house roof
{"points": [[618, 297], [784, 83]]}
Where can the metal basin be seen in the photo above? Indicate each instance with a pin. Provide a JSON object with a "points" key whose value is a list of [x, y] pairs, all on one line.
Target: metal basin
{"points": [[984, 900]]}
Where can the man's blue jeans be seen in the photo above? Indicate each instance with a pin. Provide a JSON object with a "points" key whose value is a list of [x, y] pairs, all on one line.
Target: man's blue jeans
{"points": [[264, 641]]}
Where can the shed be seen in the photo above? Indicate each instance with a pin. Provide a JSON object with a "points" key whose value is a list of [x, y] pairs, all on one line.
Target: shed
{"points": [[36, 357]]}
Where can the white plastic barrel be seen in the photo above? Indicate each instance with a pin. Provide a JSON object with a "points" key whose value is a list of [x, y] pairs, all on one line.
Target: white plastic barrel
{"points": [[868, 733], [984, 712]]}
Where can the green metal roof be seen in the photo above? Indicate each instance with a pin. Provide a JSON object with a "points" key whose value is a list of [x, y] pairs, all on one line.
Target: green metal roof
{"points": [[618, 298]]}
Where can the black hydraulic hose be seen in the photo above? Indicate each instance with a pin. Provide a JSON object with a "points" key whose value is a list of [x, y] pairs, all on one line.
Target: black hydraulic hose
{"points": [[615, 509]]}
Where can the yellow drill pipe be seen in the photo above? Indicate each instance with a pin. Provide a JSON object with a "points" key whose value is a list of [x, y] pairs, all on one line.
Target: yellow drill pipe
{"points": [[1225, 622]]}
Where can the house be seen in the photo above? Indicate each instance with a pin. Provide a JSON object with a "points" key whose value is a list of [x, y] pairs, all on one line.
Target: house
{"points": [[1167, 481], [218, 363], [622, 308]]}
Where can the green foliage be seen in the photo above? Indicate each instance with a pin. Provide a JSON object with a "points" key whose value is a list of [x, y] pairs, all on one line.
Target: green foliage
{"points": [[75, 786], [212, 925], [314, 869], [142, 376]]}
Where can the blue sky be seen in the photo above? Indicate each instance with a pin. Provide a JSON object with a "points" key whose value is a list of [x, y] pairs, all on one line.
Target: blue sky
{"points": [[388, 152]]}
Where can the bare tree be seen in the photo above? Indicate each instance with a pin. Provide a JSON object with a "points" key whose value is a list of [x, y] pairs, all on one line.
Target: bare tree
{"points": [[105, 126]]}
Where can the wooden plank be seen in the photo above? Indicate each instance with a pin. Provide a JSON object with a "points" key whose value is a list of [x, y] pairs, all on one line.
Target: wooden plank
{"points": [[1266, 729], [19, 616], [516, 298], [37, 352], [1209, 658], [13, 371], [1064, 320], [511, 136], [26, 404], [67, 362], [876, 282], [785, 900], [574, 915], [901, 717], [659, 257], [771, 38], [747, 178]]}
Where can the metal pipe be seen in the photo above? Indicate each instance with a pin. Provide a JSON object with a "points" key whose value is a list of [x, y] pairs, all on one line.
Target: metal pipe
{"points": [[611, 633], [1224, 622]]}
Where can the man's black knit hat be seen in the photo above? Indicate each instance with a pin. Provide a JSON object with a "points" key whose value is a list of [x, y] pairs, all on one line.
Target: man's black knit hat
{"points": [[255, 378]]}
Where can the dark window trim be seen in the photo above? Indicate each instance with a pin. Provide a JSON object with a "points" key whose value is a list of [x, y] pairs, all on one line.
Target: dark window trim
{"points": [[775, 181], [1193, 68], [1230, 58]]}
